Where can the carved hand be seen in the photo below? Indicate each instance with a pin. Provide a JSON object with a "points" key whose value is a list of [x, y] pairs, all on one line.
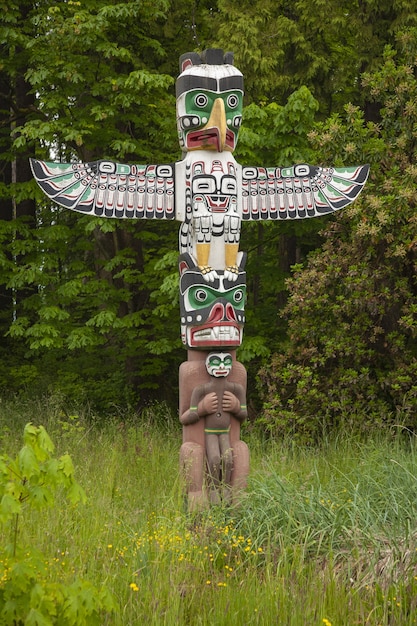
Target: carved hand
{"points": [[230, 402], [208, 404]]}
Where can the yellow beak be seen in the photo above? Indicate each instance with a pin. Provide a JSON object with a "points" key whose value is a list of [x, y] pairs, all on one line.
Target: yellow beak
{"points": [[218, 120]]}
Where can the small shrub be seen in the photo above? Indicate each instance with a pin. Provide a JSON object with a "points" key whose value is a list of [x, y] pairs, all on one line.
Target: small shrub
{"points": [[27, 595]]}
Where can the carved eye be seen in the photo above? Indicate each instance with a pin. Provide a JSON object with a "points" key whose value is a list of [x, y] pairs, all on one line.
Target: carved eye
{"points": [[201, 100], [200, 295], [204, 184], [238, 295], [232, 101], [302, 170], [228, 185]]}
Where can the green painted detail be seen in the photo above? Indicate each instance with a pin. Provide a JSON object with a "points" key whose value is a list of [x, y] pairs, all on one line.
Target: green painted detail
{"points": [[200, 102], [201, 296], [214, 361], [217, 431]]}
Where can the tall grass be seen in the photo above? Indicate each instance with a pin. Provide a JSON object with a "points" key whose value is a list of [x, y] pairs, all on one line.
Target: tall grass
{"points": [[322, 536]]}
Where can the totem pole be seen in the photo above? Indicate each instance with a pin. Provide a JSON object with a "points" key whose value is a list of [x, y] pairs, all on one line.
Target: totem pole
{"points": [[210, 194]]}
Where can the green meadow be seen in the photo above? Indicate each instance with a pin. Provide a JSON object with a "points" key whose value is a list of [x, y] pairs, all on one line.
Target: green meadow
{"points": [[322, 536]]}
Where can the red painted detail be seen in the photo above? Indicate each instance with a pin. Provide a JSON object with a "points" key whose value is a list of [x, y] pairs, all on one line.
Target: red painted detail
{"points": [[205, 139]]}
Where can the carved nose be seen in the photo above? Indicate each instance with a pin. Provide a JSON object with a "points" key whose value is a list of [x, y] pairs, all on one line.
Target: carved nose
{"points": [[216, 313], [221, 312], [230, 313]]}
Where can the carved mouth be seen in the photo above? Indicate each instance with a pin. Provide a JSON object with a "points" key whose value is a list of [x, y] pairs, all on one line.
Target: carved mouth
{"points": [[209, 139], [230, 140], [218, 204], [206, 139], [219, 335]]}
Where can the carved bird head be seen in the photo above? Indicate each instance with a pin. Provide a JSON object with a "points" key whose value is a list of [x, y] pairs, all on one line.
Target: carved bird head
{"points": [[209, 93]]}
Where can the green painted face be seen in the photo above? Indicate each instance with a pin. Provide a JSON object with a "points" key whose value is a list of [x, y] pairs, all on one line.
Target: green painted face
{"points": [[212, 315], [209, 102], [219, 364], [199, 105], [201, 296]]}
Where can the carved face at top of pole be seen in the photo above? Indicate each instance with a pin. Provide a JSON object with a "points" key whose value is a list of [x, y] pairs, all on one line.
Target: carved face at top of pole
{"points": [[209, 101]]}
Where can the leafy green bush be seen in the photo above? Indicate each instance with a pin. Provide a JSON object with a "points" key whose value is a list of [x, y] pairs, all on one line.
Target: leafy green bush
{"points": [[27, 596], [351, 356]]}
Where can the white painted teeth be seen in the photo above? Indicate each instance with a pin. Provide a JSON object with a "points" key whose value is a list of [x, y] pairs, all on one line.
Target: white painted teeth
{"points": [[204, 333], [225, 333]]}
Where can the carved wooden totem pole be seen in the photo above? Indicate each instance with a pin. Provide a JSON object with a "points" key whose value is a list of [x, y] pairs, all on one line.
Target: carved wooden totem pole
{"points": [[210, 194]]}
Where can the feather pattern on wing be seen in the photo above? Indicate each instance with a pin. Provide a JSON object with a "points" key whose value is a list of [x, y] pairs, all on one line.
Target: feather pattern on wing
{"points": [[108, 189], [299, 191]]}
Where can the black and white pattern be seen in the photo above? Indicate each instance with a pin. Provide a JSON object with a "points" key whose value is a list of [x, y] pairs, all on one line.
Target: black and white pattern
{"points": [[108, 189], [299, 192]]}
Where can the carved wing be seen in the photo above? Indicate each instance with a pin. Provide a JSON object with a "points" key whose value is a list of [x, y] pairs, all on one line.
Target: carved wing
{"points": [[300, 191], [108, 189]]}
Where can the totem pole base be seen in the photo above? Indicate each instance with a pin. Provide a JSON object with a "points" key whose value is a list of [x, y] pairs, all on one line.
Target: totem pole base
{"points": [[201, 489]]}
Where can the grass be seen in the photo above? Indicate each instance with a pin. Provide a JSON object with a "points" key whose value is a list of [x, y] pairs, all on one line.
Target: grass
{"points": [[323, 536]]}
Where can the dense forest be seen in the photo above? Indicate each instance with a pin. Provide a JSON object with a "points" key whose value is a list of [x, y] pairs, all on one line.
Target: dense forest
{"points": [[89, 307]]}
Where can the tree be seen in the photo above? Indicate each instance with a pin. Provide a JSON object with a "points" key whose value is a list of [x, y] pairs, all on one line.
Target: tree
{"points": [[323, 44], [271, 135], [110, 288], [351, 353], [91, 69], [90, 306]]}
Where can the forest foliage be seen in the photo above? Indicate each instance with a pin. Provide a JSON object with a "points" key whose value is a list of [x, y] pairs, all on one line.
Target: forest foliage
{"points": [[89, 307]]}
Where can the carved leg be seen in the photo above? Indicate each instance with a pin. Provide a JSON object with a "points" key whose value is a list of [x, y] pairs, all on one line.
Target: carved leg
{"points": [[227, 466], [192, 460], [240, 469], [203, 253], [213, 467], [203, 226]]}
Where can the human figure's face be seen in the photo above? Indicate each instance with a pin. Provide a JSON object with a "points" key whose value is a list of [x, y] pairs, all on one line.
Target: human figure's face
{"points": [[219, 364]]}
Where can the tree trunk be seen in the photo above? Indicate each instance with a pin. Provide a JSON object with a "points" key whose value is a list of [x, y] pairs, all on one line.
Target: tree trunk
{"points": [[6, 205]]}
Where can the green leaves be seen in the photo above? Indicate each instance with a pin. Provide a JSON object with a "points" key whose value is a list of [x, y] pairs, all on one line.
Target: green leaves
{"points": [[9, 506], [33, 480], [92, 304], [351, 358], [273, 134], [33, 477]]}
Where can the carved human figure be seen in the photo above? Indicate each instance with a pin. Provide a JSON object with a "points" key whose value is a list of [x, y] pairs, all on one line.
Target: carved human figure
{"points": [[212, 407], [216, 401]]}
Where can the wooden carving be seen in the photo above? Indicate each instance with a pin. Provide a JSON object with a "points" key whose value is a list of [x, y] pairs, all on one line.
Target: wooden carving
{"points": [[211, 195]]}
